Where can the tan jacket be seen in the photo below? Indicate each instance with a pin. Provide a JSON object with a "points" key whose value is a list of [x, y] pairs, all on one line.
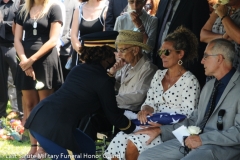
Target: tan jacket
{"points": [[133, 87]]}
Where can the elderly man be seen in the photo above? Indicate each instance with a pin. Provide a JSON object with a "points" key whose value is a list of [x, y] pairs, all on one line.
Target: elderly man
{"points": [[134, 78], [138, 19], [220, 136]]}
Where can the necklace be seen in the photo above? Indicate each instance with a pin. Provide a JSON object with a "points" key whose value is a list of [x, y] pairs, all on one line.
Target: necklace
{"points": [[35, 22], [172, 80], [35, 27]]}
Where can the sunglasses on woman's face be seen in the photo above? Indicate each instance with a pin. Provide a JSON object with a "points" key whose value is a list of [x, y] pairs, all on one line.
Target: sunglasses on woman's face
{"points": [[165, 52]]}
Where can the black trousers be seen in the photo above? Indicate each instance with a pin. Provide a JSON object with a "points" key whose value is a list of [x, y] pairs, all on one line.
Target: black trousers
{"points": [[7, 59]]}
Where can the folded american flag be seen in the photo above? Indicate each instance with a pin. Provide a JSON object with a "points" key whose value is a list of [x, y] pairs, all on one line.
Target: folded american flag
{"points": [[162, 118]]}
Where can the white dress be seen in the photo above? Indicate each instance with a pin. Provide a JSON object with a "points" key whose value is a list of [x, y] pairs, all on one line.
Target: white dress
{"points": [[181, 98]]}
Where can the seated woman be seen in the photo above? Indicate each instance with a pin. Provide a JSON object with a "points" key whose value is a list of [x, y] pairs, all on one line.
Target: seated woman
{"points": [[172, 90], [135, 72], [87, 88]]}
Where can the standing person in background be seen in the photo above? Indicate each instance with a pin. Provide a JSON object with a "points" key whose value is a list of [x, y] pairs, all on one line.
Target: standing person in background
{"points": [[7, 50], [151, 7], [88, 18], [137, 19], [191, 14], [41, 20], [115, 8], [65, 41], [224, 22]]}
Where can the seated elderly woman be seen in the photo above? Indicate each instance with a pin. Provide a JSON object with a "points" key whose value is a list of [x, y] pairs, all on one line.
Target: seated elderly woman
{"points": [[138, 19], [224, 22], [88, 88], [173, 90], [134, 76]]}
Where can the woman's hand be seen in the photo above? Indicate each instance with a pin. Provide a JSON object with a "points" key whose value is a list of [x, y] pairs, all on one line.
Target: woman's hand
{"points": [[221, 10], [30, 72], [152, 132], [26, 63], [142, 115]]}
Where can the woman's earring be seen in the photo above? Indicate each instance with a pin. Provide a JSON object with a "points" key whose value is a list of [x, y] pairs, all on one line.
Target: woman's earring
{"points": [[180, 62]]}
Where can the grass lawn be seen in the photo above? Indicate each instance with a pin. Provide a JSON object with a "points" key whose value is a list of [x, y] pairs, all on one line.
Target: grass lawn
{"points": [[13, 150]]}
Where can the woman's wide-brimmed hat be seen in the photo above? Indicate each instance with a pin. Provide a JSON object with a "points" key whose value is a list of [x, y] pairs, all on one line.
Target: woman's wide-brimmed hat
{"points": [[131, 37]]}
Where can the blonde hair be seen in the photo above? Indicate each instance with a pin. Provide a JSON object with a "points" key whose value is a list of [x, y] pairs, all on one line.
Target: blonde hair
{"points": [[29, 4]]}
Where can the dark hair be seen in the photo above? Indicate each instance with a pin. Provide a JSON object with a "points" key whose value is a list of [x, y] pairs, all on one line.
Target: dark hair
{"points": [[183, 39], [96, 54]]}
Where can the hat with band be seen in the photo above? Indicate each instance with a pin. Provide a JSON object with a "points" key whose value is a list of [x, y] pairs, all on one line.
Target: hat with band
{"points": [[106, 38], [131, 37]]}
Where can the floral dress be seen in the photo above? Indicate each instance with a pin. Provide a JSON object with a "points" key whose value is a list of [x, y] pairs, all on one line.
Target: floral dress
{"points": [[219, 28], [180, 98]]}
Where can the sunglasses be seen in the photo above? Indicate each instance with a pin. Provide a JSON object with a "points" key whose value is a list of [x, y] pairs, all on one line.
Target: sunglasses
{"points": [[166, 52]]}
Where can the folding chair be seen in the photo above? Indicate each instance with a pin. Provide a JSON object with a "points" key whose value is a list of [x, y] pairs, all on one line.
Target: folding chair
{"points": [[103, 138]]}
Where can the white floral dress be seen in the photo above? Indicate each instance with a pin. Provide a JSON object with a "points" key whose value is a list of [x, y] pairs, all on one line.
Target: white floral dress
{"points": [[181, 98]]}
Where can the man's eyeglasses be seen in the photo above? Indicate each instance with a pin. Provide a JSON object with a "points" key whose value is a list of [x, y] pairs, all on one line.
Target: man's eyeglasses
{"points": [[122, 50], [205, 55], [166, 52], [137, 2]]}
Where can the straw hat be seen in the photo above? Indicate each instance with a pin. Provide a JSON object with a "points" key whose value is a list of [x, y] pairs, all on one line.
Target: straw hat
{"points": [[131, 37]]}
